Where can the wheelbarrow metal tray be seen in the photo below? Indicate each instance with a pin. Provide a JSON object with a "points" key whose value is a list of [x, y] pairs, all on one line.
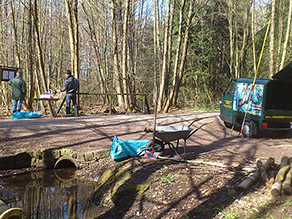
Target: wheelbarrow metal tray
{"points": [[171, 133]]}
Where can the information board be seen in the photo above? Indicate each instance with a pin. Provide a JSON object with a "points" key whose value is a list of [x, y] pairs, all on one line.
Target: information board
{"points": [[7, 73]]}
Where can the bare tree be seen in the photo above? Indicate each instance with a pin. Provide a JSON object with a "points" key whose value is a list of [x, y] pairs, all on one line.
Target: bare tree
{"points": [[231, 36], [117, 80], [29, 50], [253, 32], [184, 51], [40, 51], [163, 77], [272, 40], [124, 52], [72, 16], [177, 57]]}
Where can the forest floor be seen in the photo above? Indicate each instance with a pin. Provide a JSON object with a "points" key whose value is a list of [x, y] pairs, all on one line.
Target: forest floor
{"points": [[201, 187]]}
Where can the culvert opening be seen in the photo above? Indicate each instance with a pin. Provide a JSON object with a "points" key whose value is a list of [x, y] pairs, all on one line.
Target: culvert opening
{"points": [[65, 163]]}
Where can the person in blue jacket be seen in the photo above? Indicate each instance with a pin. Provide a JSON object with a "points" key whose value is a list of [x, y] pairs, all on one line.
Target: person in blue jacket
{"points": [[18, 92], [70, 86]]}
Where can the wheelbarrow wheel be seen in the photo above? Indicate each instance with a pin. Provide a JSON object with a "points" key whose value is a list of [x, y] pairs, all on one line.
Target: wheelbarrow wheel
{"points": [[158, 146]]}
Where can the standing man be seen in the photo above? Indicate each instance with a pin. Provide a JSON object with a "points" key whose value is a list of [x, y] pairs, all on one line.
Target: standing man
{"points": [[18, 91], [70, 86]]}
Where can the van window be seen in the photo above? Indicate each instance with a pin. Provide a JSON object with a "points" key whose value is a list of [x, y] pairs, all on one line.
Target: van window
{"points": [[230, 89]]}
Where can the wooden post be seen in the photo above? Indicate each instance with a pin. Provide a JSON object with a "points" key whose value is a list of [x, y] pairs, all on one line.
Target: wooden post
{"points": [[111, 104], [144, 99], [146, 102]]}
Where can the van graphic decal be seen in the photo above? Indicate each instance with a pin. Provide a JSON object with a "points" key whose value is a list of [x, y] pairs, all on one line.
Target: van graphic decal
{"points": [[278, 117], [227, 104], [241, 98]]}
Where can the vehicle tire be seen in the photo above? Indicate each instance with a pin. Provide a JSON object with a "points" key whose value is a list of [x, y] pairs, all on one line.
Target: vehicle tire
{"points": [[158, 146], [249, 129], [228, 125]]}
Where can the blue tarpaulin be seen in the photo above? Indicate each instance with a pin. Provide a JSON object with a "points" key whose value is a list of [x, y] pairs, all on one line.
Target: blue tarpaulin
{"points": [[122, 149], [25, 115]]}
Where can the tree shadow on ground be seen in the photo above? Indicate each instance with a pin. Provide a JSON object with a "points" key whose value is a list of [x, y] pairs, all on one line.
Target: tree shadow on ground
{"points": [[206, 205]]}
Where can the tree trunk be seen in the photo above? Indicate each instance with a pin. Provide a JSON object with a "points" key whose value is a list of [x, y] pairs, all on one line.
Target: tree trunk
{"points": [[40, 53], [115, 55], [124, 53], [246, 33], [184, 52], [164, 60], [287, 36], [231, 36], [156, 54], [72, 16], [253, 37], [29, 55], [17, 55], [272, 40], [177, 57], [169, 55]]}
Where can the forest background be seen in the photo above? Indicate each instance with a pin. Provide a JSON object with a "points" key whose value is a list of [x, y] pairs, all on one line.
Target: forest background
{"points": [[181, 53]]}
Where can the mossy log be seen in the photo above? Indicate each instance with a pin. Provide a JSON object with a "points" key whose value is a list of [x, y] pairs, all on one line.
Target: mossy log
{"points": [[253, 178], [277, 186], [287, 182], [282, 173], [284, 161]]}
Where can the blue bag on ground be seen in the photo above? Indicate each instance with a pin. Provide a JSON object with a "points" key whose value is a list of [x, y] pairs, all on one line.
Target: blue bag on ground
{"points": [[122, 149], [25, 115]]}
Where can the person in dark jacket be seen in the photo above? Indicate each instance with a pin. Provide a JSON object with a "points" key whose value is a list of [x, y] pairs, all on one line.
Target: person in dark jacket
{"points": [[70, 86], [18, 92]]}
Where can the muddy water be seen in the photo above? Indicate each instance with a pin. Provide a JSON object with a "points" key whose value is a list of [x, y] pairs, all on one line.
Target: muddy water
{"points": [[50, 194]]}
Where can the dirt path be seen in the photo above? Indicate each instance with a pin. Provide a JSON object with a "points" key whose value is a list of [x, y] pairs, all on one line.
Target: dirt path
{"points": [[96, 132], [177, 190]]}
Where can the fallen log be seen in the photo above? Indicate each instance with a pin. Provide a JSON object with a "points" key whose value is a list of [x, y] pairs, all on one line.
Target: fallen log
{"points": [[284, 161], [282, 173], [210, 163], [277, 186], [263, 171], [253, 178], [287, 182]]}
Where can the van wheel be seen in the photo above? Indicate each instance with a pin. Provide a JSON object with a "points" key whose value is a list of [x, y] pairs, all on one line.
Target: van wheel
{"points": [[249, 129]]}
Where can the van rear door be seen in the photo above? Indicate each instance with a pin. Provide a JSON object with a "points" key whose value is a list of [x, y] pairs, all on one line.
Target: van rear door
{"points": [[226, 103], [278, 105]]}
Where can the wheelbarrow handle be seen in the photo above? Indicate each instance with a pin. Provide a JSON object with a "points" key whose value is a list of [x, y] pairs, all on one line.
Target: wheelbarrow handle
{"points": [[197, 119], [200, 127]]}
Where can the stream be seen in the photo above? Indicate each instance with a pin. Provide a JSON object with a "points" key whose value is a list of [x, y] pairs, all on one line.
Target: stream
{"points": [[50, 194]]}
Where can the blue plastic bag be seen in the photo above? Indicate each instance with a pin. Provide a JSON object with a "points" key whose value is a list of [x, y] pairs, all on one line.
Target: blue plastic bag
{"points": [[25, 115], [122, 149]]}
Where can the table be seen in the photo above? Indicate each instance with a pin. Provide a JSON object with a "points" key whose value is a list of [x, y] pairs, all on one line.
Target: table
{"points": [[38, 99]]}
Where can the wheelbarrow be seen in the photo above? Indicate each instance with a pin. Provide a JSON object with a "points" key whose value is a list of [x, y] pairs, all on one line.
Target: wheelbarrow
{"points": [[164, 135]]}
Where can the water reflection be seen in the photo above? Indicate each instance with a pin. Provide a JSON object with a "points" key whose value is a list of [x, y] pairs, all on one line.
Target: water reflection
{"points": [[50, 194]]}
